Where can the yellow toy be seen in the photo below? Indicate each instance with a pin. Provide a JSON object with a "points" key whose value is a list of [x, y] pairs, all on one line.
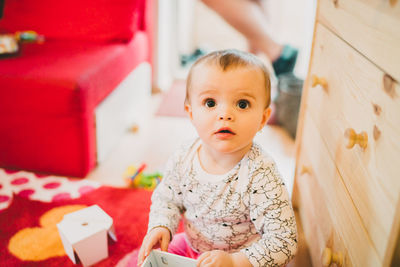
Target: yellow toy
{"points": [[135, 178], [9, 43], [29, 36]]}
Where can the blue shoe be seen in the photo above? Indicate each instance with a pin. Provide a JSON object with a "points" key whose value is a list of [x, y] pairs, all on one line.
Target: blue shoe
{"points": [[286, 61], [189, 59]]}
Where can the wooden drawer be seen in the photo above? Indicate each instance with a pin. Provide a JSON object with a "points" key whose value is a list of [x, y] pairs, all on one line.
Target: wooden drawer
{"points": [[355, 98], [353, 238], [370, 26], [318, 229]]}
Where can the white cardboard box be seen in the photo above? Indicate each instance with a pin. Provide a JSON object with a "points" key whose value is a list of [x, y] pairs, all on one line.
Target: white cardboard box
{"points": [[159, 258], [84, 234]]}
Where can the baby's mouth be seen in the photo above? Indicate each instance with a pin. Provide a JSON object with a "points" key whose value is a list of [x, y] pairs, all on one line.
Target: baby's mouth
{"points": [[224, 130]]}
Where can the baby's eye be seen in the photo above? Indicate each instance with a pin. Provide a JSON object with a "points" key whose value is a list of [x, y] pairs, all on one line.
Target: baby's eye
{"points": [[243, 104], [209, 103]]}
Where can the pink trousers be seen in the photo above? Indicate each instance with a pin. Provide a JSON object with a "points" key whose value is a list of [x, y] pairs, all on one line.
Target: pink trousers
{"points": [[178, 246]]}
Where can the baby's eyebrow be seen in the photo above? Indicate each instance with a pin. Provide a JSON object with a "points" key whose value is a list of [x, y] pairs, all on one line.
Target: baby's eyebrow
{"points": [[207, 92], [245, 94]]}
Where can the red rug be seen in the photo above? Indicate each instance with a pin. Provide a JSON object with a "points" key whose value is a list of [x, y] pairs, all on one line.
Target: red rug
{"points": [[173, 100], [129, 209], [45, 188]]}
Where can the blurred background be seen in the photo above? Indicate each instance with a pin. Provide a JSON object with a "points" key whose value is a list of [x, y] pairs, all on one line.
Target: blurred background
{"points": [[182, 27]]}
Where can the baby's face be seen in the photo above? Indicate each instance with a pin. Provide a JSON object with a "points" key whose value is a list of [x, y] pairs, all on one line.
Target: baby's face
{"points": [[228, 107]]}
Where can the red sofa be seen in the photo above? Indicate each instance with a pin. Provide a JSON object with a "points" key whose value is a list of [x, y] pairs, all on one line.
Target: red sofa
{"points": [[49, 92]]}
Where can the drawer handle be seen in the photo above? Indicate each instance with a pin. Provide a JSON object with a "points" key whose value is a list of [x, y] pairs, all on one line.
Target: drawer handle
{"points": [[353, 138], [305, 170], [328, 257], [319, 81]]}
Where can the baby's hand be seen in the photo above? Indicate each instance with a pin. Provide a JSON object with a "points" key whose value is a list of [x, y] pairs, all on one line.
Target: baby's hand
{"points": [[215, 258], [219, 258], [157, 236]]}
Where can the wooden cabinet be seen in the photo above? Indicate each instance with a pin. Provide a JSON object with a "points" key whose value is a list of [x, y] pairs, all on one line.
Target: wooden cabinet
{"points": [[347, 183]]}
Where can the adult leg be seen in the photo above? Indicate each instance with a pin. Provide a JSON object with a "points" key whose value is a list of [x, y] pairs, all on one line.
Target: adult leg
{"points": [[248, 17]]}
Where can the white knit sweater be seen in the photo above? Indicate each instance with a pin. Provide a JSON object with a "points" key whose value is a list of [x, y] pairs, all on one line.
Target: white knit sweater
{"points": [[247, 209]]}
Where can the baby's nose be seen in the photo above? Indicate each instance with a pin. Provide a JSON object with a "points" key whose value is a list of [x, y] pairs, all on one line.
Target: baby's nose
{"points": [[225, 113], [225, 117]]}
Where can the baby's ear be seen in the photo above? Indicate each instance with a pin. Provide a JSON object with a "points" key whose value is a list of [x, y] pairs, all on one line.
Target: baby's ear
{"points": [[188, 109], [266, 115]]}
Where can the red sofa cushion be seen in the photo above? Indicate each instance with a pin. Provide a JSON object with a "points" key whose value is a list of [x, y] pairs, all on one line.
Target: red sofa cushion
{"points": [[90, 20], [47, 97], [66, 77]]}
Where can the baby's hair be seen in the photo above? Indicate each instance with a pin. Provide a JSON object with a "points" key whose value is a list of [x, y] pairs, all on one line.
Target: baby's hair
{"points": [[227, 59]]}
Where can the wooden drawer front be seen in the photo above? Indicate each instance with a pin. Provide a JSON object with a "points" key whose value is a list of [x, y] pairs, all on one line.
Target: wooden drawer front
{"points": [[317, 224], [355, 98], [372, 27], [342, 212]]}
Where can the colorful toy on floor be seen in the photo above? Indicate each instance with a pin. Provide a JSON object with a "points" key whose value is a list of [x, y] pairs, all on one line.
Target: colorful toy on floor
{"points": [[136, 178], [29, 36], [9, 43]]}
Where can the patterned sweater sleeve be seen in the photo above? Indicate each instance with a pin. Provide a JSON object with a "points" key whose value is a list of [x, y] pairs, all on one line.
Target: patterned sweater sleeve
{"points": [[272, 214], [166, 200]]}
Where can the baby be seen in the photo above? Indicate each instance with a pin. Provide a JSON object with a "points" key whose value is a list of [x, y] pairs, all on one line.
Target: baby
{"points": [[235, 207]]}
